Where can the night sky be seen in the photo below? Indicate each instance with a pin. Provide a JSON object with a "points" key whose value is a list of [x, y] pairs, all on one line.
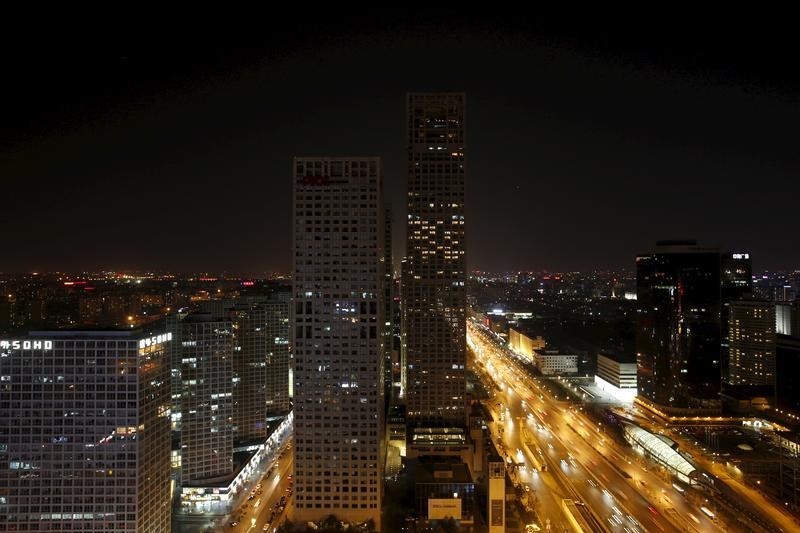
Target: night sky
{"points": [[169, 146]]}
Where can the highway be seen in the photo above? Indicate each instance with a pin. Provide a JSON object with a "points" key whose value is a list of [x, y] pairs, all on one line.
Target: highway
{"points": [[621, 491], [509, 441]]}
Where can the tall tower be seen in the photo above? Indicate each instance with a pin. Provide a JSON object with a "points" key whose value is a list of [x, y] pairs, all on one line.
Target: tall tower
{"points": [[337, 336], [388, 300], [678, 325], [435, 273]]}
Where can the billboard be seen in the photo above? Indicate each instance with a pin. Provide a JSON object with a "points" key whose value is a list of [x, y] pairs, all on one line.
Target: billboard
{"points": [[439, 508], [498, 513]]}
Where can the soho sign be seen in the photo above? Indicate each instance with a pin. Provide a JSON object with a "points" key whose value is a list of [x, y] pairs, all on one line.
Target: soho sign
{"points": [[26, 345], [154, 340]]}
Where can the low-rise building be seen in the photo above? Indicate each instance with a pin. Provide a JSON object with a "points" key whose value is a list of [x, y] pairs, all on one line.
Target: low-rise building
{"points": [[525, 343], [444, 489], [616, 374], [550, 362]]}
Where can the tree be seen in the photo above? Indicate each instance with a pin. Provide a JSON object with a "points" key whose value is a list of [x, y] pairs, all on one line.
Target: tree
{"points": [[286, 527], [331, 524]]}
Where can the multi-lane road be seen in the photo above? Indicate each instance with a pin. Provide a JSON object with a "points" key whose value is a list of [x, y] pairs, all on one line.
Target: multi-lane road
{"points": [[619, 490], [263, 510]]}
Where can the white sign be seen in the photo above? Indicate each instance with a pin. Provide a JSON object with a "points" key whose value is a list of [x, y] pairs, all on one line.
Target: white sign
{"points": [[155, 340], [439, 508], [26, 345]]}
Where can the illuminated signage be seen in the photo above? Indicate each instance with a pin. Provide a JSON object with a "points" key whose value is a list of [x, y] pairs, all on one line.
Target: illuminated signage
{"points": [[26, 345], [439, 508], [741, 256], [155, 340]]}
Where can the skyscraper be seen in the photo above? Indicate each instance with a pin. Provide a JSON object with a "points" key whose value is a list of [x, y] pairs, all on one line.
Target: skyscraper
{"points": [[752, 343], [337, 336], [678, 325], [388, 300], [737, 281], [435, 269], [84, 419], [260, 366], [206, 399]]}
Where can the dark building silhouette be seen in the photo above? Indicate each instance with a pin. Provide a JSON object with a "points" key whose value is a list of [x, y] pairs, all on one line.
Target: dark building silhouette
{"points": [[388, 300], [787, 368], [678, 325]]}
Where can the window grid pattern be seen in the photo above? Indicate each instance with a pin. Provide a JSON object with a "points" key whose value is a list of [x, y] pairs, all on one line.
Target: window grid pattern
{"points": [[207, 402], [435, 269], [337, 334], [84, 436]]}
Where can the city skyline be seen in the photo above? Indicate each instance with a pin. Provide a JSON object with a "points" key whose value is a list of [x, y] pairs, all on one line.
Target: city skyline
{"points": [[617, 354], [617, 142]]}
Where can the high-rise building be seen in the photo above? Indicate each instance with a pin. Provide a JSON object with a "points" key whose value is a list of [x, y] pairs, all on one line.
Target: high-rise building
{"points": [[84, 419], [388, 300], [206, 398], [435, 269], [678, 325], [337, 337], [737, 281], [752, 343], [787, 318], [260, 367], [787, 367]]}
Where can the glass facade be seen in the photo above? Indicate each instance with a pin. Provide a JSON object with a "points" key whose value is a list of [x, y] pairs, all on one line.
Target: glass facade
{"points": [[261, 367], [678, 325], [85, 433]]}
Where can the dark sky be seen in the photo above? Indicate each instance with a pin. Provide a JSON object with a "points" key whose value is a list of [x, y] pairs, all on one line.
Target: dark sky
{"points": [[134, 145]]}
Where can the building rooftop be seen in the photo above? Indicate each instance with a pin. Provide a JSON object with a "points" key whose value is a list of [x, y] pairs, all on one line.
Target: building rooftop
{"points": [[438, 436], [441, 470]]}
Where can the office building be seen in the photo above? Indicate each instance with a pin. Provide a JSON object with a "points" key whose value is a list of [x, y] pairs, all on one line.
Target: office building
{"points": [[678, 326], [752, 343], [260, 367], [206, 398], [616, 375], [736, 277], [388, 300], [435, 269], [84, 425], [525, 343], [787, 368], [552, 362], [337, 337]]}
